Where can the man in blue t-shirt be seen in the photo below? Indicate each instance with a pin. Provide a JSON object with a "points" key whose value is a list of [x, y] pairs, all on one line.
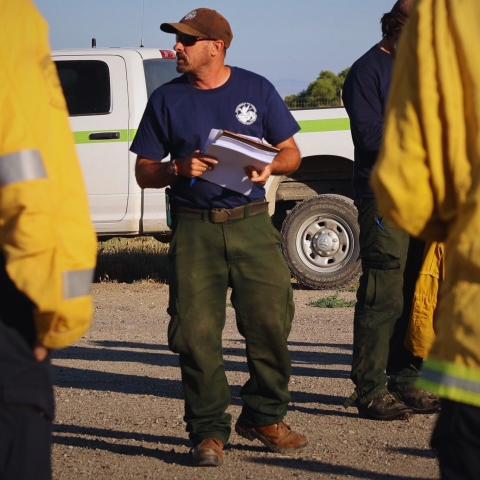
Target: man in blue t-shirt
{"points": [[390, 258], [222, 238]]}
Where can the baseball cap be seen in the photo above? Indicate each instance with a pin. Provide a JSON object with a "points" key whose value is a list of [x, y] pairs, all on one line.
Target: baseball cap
{"points": [[401, 10], [202, 22]]}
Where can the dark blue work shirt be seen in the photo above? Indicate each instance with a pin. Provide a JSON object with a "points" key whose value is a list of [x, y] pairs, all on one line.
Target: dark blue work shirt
{"points": [[365, 95], [178, 119]]}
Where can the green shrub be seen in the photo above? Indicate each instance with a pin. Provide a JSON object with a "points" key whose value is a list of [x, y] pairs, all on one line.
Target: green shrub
{"points": [[332, 302]]}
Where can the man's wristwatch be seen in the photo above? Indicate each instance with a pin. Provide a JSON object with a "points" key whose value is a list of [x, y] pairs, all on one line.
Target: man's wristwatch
{"points": [[172, 168]]}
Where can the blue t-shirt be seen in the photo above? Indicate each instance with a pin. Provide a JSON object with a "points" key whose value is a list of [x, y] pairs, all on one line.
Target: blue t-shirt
{"points": [[365, 95], [178, 119]]}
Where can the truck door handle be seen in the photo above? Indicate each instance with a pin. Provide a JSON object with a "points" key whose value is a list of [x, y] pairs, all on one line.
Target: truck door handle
{"points": [[104, 136]]}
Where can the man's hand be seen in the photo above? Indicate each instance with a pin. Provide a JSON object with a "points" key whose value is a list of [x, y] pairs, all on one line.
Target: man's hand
{"points": [[195, 164], [40, 352], [286, 161], [258, 176]]}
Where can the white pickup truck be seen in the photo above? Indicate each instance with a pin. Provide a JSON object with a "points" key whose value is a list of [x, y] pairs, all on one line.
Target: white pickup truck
{"points": [[106, 91]]}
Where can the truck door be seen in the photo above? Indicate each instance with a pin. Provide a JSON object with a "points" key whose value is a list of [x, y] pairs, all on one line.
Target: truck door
{"points": [[96, 91]]}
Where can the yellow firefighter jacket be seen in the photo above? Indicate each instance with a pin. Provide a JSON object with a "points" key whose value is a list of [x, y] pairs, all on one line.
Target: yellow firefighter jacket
{"points": [[46, 235], [428, 176]]}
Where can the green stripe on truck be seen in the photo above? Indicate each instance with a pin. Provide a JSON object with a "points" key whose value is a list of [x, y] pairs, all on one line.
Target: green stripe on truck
{"points": [[82, 137], [307, 126], [328, 125]]}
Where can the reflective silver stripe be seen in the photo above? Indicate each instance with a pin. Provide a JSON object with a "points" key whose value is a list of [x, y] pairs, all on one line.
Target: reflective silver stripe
{"points": [[77, 283], [450, 381], [21, 166]]}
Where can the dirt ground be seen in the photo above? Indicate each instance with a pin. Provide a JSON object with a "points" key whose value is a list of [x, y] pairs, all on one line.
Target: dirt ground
{"points": [[120, 408]]}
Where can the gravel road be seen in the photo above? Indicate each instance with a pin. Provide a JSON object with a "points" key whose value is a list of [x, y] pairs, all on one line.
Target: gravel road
{"points": [[119, 401]]}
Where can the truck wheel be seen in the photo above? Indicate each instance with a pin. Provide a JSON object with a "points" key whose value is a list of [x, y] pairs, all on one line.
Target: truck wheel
{"points": [[320, 242]]}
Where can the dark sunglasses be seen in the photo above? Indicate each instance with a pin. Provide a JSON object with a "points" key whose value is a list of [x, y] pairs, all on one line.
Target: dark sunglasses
{"points": [[189, 40]]}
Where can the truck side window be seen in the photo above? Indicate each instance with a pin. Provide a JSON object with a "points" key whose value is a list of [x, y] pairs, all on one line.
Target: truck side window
{"points": [[86, 86], [159, 71]]}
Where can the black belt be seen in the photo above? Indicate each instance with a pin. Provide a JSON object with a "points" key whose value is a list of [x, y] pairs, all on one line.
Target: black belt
{"points": [[221, 215]]}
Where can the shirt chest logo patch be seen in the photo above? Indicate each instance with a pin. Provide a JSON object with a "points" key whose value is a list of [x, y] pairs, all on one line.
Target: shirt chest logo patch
{"points": [[246, 113]]}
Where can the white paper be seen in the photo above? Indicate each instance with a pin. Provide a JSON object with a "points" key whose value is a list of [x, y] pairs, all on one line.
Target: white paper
{"points": [[233, 155]]}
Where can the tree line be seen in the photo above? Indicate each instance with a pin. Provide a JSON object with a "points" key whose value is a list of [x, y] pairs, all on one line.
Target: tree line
{"points": [[325, 91]]}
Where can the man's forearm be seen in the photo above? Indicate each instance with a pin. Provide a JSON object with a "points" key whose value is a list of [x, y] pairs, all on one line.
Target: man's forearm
{"points": [[286, 161], [155, 174], [152, 174]]}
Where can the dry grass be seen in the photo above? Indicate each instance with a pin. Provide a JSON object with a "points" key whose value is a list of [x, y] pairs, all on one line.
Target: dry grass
{"points": [[353, 287], [128, 260]]}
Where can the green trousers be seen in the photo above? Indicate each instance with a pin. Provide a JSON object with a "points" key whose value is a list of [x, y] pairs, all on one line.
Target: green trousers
{"points": [[204, 260], [391, 260]]}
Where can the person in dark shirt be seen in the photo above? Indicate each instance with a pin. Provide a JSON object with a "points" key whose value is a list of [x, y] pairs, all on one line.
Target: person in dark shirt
{"points": [[384, 371], [222, 238]]}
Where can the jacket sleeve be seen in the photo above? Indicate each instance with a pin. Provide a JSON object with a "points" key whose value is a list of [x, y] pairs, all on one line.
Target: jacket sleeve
{"points": [[46, 235], [423, 158]]}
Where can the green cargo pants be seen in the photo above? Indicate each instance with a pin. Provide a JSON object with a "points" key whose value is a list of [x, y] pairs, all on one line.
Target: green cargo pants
{"points": [[391, 260], [205, 259]]}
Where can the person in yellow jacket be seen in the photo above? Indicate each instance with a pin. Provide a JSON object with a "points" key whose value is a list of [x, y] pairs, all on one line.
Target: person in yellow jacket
{"points": [[428, 183], [47, 243]]}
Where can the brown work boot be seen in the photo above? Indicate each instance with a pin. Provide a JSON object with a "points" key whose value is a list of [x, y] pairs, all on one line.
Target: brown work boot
{"points": [[385, 407], [208, 453], [419, 400], [278, 437]]}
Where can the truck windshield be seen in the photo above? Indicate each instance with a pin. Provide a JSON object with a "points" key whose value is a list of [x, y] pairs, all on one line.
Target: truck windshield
{"points": [[159, 71]]}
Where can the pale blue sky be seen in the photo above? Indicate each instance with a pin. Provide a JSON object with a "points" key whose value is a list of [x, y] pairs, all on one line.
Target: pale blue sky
{"points": [[288, 42]]}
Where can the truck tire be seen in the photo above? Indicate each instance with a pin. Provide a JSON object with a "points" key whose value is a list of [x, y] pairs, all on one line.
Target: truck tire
{"points": [[320, 242]]}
